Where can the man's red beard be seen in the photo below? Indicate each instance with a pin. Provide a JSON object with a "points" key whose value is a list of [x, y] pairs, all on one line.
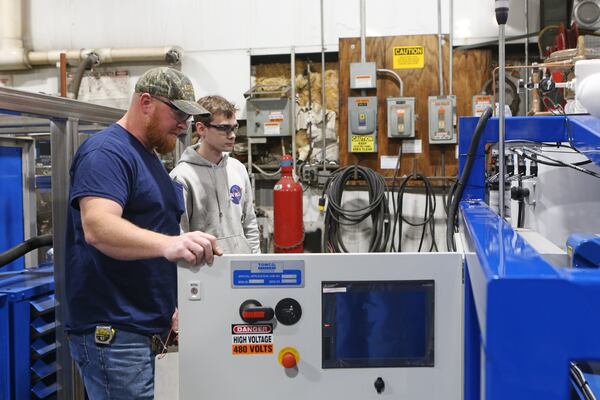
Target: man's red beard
{"points": [[162, 142]]}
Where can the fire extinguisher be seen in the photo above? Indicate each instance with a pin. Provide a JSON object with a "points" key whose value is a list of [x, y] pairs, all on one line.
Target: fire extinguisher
{"points": [[288, 227]]}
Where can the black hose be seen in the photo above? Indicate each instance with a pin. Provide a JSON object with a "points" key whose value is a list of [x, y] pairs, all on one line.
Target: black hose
{"points": [[91, 60], [464, 177], [25, 247]]}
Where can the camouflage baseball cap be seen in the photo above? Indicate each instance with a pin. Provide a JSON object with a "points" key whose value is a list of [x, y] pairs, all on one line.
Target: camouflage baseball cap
{"points": [[172, 85]]}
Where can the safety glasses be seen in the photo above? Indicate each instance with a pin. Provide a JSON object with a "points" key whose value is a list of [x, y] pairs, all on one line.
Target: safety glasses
{"points": [[180, 116]]}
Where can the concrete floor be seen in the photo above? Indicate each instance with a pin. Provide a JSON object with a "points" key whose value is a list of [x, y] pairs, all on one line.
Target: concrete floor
{"points": [[166, 377]]}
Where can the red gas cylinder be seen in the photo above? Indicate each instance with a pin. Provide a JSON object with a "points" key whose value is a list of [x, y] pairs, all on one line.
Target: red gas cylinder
{"points": [[288, 230]]}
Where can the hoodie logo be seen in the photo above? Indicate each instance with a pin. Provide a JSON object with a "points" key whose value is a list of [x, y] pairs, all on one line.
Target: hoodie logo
{"points": [[236, 194]]}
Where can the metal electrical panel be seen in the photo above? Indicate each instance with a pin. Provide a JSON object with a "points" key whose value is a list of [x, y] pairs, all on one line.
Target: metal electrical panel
{"points": [[268, 112], [362, 124], [442, 114], [322, 326], [401, 117], [363, 75]]}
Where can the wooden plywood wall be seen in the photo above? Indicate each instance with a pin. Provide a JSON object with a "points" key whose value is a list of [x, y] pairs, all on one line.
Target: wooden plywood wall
{"points": [[471, 70]]}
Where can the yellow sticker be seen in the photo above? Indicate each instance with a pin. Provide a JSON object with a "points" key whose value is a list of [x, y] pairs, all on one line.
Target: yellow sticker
{"points": [[406, 57], [363, 144]]}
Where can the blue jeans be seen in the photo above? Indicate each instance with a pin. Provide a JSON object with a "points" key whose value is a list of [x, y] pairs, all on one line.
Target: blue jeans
{"points": [[123, 369]]}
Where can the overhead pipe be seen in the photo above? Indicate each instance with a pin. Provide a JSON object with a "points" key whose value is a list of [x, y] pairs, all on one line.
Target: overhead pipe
{"points": [[13, 56], [169, 54], [12, 53]]}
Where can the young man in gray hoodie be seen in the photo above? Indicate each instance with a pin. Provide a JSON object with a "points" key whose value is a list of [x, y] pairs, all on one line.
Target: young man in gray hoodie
{"points": [[216, 187]]}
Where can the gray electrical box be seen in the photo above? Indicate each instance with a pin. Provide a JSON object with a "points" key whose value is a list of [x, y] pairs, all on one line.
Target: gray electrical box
{"points": [[442, 114], [362, 124], [363, 75], [401, 117], [268, 111]]}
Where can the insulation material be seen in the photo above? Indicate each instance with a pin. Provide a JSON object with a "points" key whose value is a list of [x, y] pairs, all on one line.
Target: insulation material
{"points": [[310, 123]]}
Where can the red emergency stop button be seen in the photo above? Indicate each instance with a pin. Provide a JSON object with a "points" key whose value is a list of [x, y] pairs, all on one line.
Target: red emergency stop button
{"points": [[289, 357], [288, 360]]}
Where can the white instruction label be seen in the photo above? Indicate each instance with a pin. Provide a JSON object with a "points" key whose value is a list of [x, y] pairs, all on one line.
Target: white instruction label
{"points": [[272, 128], [388, 162], [412, 146], [362, 81]]}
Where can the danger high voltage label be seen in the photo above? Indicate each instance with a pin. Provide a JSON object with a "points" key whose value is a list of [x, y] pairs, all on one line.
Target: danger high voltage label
{"points": [[251, 339], [409, 57]]}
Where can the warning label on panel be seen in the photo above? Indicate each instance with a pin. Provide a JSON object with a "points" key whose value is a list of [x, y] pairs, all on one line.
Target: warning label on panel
{"points": [[251, 339], [363, 144], [406, 57], [271, 128]]}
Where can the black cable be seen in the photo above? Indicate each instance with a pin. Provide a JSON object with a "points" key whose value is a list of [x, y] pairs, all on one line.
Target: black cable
{"points": [[561, 163], [428, 217], [462, 181], [336, 215], [551, 164], [25, 247]]}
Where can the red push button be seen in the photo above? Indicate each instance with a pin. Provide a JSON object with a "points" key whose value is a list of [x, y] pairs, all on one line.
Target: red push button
{"points": [[288, 357], [288, 360]]}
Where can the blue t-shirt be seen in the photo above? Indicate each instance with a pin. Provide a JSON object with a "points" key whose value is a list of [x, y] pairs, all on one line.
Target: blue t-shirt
{"points": [[138, 295]]}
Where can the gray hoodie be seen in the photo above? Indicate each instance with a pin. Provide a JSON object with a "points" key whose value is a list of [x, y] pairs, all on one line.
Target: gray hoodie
{"points": [[218, 200]]}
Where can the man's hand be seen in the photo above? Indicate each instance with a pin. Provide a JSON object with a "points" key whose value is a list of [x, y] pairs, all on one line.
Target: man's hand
{"points": [[194, 247]]}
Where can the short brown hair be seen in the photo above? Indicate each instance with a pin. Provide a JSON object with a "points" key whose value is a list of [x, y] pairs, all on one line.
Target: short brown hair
{"points": [[215, 105]]}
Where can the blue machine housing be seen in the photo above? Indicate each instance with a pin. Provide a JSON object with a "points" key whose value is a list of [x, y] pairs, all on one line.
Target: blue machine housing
{"points": [[525, 319], [584, 250]]}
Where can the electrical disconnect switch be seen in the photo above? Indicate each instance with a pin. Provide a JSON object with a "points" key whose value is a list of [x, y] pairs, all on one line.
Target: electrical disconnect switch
{"points": [[362, 124], [442, 111], [401, 117]]}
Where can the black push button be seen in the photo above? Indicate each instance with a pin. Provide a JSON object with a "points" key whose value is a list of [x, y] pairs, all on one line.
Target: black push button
{"points": [[288, 311], [379, 385]]}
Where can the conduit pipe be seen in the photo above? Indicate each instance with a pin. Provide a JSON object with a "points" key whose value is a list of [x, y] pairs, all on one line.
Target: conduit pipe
{"points": [[363, 31], [451, 58], [323, 95], [440, 39]]}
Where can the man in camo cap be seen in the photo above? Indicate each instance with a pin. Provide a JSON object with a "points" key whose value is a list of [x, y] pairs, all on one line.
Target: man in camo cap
{"points": [[123, 240]]}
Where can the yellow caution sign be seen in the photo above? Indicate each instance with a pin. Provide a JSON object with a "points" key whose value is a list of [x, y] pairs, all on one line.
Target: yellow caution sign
{"points": [[363, 144], [407, 57]]}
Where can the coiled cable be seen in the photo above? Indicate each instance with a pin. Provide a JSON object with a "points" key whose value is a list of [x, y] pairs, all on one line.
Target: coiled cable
{"points": [[428, 217], [336, 215]]}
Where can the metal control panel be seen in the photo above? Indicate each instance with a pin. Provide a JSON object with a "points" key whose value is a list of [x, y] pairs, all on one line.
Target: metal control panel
{"points": [[442, 117], [268, 111], [322, 326], [401, 117], [362, 124]]}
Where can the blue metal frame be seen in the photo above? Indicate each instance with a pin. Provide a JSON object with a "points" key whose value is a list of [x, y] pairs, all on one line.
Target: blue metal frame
{"points": [[16, 293], [525, 319], [11, 203]]}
